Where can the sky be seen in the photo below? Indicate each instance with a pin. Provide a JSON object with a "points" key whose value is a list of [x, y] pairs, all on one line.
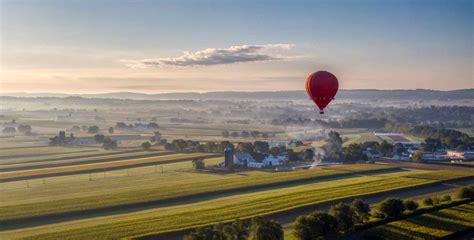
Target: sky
{"points": [[73, 46]]}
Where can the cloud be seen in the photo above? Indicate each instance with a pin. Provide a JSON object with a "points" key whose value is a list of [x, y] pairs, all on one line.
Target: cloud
{"points": [[216, 56]]}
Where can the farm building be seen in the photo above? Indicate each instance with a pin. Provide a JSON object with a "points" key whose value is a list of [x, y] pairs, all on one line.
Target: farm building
{"points": [[460, 155], [430, 156], [243, 158], [409, 144], [257, 160], [271, 160]]}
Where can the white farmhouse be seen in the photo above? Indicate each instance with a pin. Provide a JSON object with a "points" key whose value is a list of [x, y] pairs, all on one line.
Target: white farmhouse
{"points": [[271, 160], [243, 159]]}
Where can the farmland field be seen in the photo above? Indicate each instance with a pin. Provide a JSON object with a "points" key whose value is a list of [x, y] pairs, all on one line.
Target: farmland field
{"points": [[363, 138], [39, 151], [244, 203], [38, 173], [82, 158], [157, 187], [429, 226], [223, 209]]}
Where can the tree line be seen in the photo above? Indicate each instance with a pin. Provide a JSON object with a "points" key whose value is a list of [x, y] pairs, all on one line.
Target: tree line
{"points": [[246, 134], [342, 220]]}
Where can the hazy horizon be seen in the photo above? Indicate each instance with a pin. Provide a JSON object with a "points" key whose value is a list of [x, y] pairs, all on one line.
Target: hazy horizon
{"points": [[78, 47], [204, 92]]}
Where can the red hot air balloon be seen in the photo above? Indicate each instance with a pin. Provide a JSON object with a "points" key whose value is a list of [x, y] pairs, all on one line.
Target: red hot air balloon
{"points": [[321, 87]]}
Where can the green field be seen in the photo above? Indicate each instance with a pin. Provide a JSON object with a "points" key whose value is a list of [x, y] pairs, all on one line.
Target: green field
{"points": [[20, 203], [362, 138], [82, 158], [167, 194], [428, 226], [6, 155], [171, 218]]}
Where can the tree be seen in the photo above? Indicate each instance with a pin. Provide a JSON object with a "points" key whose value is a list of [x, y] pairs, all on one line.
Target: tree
{"points": [[24, 128], [109, 144], [410, 205], [385, 148], [152, 125], [316, 225], [111, 130], [93, 129], [361, 211], [205, 233], [260, 146], [254, 134], [333, 147], [428, 201], [466, 192], [223, 145], [9, 130], [446, 198], [225, 133], [431, 144], [344, 216], [265, 135], [399, 148], [169, 147], [76, 128], [198, 163], [245, 147], [234, 134], [245, 134], [292, 156], [275, 151], [146, 145], [391, 207], [308, 154], [353, 153], [237, 230], [99, 138], [418, 156], [121, 125], [262, 229]]}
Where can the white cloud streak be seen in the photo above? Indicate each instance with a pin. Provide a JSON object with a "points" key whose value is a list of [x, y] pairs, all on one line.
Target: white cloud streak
{"points": [[216, 56]]}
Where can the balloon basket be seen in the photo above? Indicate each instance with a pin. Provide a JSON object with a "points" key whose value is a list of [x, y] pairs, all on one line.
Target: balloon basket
{"points": [[321, 112]]}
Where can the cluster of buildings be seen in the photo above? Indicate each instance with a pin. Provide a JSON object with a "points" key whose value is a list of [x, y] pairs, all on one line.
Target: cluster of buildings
{"points": [[61, 139], [412, 147], [439, 155], [252, 160]]}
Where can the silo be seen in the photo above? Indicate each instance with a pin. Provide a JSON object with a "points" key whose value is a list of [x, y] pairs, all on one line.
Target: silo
{"points": [[228, 157]]}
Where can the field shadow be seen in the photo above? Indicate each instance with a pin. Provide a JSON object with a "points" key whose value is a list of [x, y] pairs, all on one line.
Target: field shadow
{"points": [[431, 222]]}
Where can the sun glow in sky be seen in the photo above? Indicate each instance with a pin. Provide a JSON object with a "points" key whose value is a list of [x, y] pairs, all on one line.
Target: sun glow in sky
{"points": [[175, 46]]}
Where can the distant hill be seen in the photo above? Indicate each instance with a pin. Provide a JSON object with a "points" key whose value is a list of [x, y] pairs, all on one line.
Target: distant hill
{"points": [[363, 94]]}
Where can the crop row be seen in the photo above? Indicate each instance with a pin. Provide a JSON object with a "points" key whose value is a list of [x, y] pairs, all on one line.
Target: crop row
{"points": [[428, 226], [101, 166], [184, 216], [168, 189]]}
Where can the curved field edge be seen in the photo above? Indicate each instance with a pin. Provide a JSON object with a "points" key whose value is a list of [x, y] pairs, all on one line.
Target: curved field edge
{"points": [[11, 214], [246, 206], [431, 225]]}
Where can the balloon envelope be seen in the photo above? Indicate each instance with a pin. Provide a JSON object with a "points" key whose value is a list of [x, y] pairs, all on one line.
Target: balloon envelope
{"points": [[321, 87]]}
